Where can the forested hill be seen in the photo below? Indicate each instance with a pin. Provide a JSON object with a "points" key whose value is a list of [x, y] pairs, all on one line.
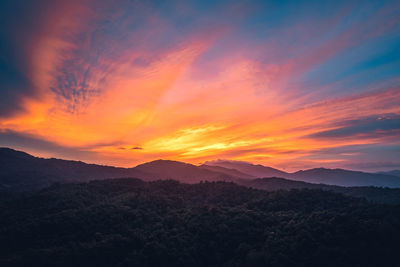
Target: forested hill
{"points": [[128, 222], [371, 193]]}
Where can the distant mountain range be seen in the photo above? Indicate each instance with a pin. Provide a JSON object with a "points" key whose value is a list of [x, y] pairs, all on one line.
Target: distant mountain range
{"points": [[318, 175], [248, 168], [20, 171], [393, 172], [345, 177]]}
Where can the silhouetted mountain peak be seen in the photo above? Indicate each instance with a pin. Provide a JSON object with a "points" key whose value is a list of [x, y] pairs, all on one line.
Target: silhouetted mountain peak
{"points": [[232, 172], [165, 162], [256, 170], [316, 170], [169, 169], [9, 152]]}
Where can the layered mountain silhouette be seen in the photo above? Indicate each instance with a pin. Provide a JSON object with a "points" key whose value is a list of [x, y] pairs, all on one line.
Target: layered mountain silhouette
{"points": [[345, 177], [20, 171], [317, 175], [248, 168], [184, 172], [230, 172], [392, 172]]}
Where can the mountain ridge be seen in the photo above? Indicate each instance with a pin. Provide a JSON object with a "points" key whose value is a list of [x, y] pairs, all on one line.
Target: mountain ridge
{"points": [[344, 177], [181, 171], [391, 172], [336, 176], [22, 171], [256, 170]]}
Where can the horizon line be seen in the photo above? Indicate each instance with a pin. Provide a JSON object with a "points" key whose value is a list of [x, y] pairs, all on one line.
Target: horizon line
{"points": [[197, 165]]}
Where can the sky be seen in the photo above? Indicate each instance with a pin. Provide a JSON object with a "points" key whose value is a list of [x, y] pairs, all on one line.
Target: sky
{"points": [[287, 84]]}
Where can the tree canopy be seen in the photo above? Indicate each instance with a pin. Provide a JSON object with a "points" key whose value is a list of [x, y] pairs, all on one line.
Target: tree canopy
{"points": [[128, 222]]}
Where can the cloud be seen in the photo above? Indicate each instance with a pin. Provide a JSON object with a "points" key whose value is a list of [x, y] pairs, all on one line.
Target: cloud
{"points": [[377, 125], [131, 148], [14, 59], [25, 29]]}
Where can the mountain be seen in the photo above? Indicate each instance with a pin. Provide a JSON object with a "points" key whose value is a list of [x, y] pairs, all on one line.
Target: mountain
{"points": [[338, 177], [393, 172], [129, 222], [20, 171], [248, 168], [371, 193], [230, 172], [183, 172], [345, 177]]}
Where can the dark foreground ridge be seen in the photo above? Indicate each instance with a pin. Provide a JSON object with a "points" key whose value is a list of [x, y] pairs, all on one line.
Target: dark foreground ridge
{"points": [[129, 222]]}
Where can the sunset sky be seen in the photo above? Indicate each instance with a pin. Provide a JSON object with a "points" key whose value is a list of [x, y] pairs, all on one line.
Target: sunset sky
{"points": [[288, 84]]}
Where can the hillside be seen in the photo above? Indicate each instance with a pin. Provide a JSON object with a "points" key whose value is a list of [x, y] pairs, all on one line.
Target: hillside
{"points": [[370, 193], [128, 222], [230, 172], [338, 177], [258, 171], [345, 178], [392, 172], [20, 171], [184, 172]]}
